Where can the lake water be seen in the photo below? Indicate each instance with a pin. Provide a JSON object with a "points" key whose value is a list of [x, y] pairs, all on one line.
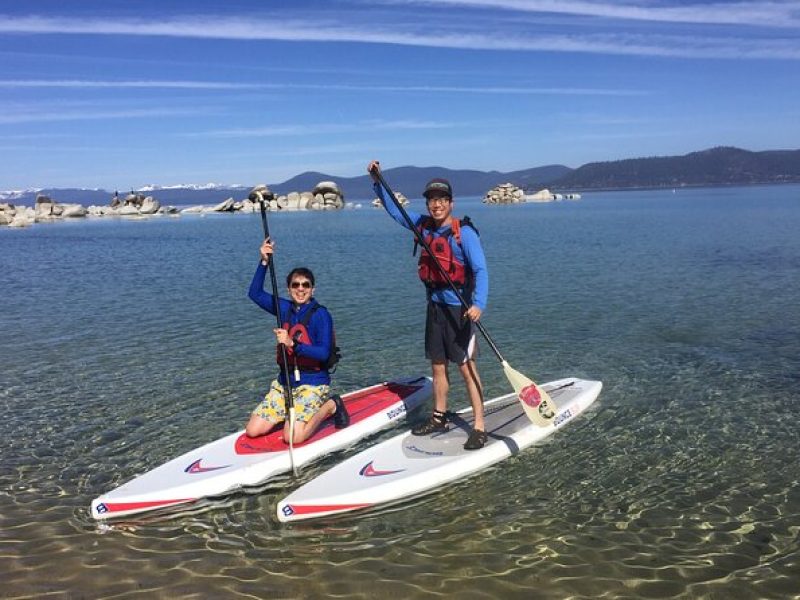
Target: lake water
{"points": [[128, 342]]}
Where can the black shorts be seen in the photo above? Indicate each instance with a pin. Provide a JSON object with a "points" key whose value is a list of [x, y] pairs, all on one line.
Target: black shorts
{"points": [[449, 334]]}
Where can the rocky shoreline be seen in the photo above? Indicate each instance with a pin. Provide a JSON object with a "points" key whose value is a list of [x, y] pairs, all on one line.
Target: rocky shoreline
{"points": [[326, 195], [508, 193]]}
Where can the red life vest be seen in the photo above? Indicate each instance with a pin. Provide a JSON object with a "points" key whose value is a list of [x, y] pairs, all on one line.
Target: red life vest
{"points": [[460, 274], [299, 333]]}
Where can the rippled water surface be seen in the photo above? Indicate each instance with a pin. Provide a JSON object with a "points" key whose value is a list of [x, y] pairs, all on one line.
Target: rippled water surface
{"points": [[126, 343]]}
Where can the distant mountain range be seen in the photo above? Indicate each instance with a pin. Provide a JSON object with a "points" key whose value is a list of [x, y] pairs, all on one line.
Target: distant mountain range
{"points": [[715, 166], [411, 180]]}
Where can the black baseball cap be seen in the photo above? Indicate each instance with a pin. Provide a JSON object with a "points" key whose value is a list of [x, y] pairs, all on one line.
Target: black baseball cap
{"points": [[438, 185]]}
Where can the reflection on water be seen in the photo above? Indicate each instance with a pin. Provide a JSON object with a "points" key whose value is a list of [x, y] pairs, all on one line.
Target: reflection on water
{"points": [[127, 343]]}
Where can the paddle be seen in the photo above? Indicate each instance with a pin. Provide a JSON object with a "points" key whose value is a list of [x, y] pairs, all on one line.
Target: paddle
{"points": [[287, 388], [536, 403]]}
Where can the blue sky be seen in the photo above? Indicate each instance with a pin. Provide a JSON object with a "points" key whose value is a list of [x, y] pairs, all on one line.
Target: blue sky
{"points": [[120, 94]]}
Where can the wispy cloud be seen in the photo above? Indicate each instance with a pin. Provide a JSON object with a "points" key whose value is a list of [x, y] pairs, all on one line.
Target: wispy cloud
{"points": [[778, 14], [501, 36], [227, 86], [326, 128], [22, 115], [501, 90], [89, 83]]}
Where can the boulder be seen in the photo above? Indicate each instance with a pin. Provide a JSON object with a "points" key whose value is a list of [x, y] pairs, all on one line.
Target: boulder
{"points": [[248, 205], [292, 201], [23, 217], [506, 193], [150, 206], [100, 211], [540, 196], [260, 190], [6, 213], [224, 206], [327, 196], [133, 199], [44, 210], [72, 211], [326, 186], [128, 210]]}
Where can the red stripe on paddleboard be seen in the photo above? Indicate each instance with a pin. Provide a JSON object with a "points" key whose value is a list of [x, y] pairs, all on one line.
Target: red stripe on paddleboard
{"points": [[308, 509], [360, 405], [112, 507]]}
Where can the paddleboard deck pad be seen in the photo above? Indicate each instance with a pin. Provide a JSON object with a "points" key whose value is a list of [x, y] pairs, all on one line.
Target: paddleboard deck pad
{"points": [[237, 461], [406, 465]]}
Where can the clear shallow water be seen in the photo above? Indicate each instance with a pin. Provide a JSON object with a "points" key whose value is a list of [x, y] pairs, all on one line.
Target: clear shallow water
{"points": [[125, 343]]}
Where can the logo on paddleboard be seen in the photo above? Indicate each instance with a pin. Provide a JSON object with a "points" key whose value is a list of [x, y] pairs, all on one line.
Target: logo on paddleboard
{"points": [[530, 395], [567, 414], [369, 471], [195, 467]]}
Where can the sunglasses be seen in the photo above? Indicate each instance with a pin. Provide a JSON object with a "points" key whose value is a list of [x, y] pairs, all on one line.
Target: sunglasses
{"points": [[438, 200], [301, 284]]}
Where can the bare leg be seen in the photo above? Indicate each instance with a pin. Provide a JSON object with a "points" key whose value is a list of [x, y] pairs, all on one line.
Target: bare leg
{"points": [[441, 385], [257, 426], [474, 390], [303, 431]]}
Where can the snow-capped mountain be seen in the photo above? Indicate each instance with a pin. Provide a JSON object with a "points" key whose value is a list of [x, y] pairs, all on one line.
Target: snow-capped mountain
{"points": [[193, 186]]}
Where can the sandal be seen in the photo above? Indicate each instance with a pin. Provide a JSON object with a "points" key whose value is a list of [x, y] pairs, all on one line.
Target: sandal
{"points": [[477, 439], [437, 423]]}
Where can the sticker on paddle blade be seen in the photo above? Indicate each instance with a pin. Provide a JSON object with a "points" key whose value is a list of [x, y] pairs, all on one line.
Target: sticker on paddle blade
{"points": [[530, 395]]}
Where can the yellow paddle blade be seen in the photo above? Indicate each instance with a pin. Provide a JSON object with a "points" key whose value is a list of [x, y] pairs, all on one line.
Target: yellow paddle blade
{"points": [[537, 404]]}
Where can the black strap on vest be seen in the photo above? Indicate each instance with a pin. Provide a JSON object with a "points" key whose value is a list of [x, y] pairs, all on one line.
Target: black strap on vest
{"points": [[335, 354], [308, 314]]}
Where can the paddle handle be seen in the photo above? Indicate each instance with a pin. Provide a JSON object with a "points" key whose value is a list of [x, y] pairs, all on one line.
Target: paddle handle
{"points": [[287, 389], [421, 241]]}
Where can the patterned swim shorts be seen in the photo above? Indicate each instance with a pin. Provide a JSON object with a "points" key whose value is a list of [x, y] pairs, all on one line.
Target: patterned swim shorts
{"points": [[308, 399]]}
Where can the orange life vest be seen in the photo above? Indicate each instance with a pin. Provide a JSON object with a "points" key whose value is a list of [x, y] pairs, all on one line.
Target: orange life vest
{"points": [[460, 273]]}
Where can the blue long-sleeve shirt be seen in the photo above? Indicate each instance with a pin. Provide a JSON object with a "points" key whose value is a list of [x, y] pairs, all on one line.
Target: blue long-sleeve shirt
{"points": [[319, 326], [469, 252]]}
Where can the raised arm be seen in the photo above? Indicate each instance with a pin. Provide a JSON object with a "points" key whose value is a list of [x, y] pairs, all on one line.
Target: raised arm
{"points": [[383, 195]]}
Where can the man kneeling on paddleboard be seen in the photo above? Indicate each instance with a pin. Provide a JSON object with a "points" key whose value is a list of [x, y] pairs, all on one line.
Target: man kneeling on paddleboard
{"points": [[308, 337]]}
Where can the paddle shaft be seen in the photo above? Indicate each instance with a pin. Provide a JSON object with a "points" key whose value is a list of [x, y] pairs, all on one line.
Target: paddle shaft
{"points": [[287, 389], [442, 270]]}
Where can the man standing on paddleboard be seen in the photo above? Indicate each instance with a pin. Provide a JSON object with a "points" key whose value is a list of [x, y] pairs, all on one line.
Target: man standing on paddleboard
{"points": [[307, 333], [449, 328]]}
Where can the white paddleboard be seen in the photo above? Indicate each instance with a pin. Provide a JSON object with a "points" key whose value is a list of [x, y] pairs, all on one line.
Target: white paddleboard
{"points": [[406, 465], [236, 461]]}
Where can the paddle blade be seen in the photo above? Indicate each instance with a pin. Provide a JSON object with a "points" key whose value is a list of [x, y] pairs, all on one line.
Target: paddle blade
{"points": [[537, 404]]}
